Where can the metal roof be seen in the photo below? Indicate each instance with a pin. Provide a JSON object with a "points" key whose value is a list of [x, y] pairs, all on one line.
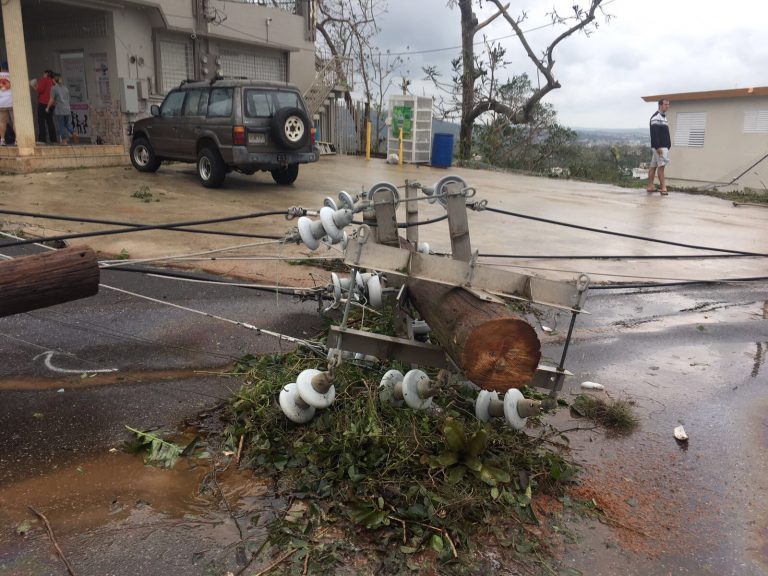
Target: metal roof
{"points": [[711, 94]]}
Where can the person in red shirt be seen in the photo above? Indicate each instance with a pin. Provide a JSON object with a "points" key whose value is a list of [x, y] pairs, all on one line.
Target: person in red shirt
{"points": [[45, 116]]}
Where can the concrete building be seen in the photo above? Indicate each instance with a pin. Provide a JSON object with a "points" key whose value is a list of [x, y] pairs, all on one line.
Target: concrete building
{"points": [[118, 57], [719, 138]]}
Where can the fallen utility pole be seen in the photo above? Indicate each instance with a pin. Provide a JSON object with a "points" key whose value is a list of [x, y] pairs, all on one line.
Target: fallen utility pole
{"points": [[494, 348], [41, 280]]}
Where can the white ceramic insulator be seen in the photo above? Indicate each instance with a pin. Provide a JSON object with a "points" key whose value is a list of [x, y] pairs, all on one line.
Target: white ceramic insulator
{"points": [[423, 247], [336, 282], [388, 387], [440, 187], [483, 404], [346, 200], [309, 394], [295, 412], [411, 392], [334, 221], [311, 232], [330, 203], [385, 186], [511, 398], [373, 285], [362, 280]]}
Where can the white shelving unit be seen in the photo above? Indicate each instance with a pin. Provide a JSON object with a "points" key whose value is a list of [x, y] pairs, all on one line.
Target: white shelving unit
{"points": [[414, 115]]}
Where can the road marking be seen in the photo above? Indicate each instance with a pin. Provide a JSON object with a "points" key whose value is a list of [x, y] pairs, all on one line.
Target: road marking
{"points": [[48, 354]]}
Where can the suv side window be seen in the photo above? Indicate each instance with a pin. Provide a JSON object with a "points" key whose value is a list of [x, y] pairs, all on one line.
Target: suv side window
{"points": [[220, 103], [172, 104], [197, 102], [258, 104]]}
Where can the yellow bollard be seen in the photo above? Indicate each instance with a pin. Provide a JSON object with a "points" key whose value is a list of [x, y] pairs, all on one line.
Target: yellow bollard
{"points": [[368, 140], [400, 159]]}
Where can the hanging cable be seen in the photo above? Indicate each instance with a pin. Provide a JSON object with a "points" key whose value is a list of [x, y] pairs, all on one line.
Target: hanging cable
{"points": [[407, 225], [120, 223], [616, 257], [611, 233], [142, 228]]}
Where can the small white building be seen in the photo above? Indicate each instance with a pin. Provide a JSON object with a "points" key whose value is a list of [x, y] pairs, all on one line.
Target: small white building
{"points": [[719, 138]]}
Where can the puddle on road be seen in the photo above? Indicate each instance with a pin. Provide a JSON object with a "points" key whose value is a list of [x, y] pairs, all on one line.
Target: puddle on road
{"points": [[112, 510]]}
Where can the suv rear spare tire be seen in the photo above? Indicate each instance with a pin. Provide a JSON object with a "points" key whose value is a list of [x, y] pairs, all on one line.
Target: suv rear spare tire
{"points": [[210, 168], [285, 176], [290, 128], [143, 156]]}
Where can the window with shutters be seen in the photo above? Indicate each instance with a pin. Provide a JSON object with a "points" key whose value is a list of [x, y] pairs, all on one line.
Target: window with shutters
{"points": [[176, 63], [755, 121], [690, 129]]}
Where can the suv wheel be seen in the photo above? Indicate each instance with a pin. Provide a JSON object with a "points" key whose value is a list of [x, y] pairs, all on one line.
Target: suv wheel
{"points": [[143, 156], [210, 168], [290, 128], [286, 175]]}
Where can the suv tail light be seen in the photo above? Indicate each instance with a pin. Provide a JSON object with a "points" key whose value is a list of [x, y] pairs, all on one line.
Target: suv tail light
{"points": [[238, 135], [312, 135]]}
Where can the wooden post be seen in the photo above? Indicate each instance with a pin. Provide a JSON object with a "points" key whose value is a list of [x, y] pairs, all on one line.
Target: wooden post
{"points": [[493, 347], [31, 282]]}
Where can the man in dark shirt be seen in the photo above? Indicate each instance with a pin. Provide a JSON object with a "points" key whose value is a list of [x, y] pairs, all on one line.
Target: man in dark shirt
{"points": [[660, 144]]}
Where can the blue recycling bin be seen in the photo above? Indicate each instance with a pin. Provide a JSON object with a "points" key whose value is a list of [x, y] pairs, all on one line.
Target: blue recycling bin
{"points": [[442, 150]]}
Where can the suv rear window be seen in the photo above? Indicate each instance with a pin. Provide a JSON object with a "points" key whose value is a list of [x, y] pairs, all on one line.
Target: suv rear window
{"points": [[264, 103]]}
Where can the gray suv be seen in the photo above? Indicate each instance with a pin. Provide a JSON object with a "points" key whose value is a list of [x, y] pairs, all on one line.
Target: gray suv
{"points": [[228, 124]]}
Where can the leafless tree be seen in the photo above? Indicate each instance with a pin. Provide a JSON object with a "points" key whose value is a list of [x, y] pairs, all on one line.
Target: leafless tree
{"points": [[475, 79], [349, 29]]}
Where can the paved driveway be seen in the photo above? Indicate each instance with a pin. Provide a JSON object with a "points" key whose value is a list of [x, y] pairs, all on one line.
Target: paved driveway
{"points": [[174, 195]]}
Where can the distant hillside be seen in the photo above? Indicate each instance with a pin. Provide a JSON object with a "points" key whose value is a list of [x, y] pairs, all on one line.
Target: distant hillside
{"points": [[597, 136]]}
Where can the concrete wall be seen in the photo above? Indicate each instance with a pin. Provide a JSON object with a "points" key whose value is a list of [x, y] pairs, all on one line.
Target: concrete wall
{"points": [[728, 150]]}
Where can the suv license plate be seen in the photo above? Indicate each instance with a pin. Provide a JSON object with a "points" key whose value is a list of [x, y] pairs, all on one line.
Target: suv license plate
{"points": [[257, 138]]}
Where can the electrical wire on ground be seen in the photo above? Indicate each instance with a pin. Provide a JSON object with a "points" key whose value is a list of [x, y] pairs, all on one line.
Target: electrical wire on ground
{"points": [[316, 347], [146, 227], [133, 224]]}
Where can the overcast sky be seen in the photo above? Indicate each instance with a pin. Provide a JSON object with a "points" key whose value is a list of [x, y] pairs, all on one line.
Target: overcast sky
{"points": [[648, 47]]}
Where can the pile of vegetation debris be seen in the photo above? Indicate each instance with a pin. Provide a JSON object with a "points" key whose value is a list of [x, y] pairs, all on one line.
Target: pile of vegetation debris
{"points": [[405, 489]]}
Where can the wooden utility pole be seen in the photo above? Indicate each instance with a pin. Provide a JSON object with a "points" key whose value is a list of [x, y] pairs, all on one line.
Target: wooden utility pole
{"points": [[31, 282], [493, 347]]}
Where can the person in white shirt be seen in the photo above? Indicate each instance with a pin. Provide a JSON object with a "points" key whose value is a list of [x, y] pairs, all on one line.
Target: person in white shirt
{"points": [[6, 101]]}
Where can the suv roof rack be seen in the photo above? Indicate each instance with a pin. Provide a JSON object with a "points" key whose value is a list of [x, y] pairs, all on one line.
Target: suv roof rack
{"points": [[217, 78], [187, 81]]}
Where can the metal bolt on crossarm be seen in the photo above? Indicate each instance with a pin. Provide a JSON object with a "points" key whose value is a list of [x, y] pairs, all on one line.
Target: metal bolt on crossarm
{"points": [[515, 408], [313, 389]]}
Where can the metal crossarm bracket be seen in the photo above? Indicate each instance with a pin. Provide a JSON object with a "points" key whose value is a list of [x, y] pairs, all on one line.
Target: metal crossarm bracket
{"points": [[410, 351], [452, 272]]}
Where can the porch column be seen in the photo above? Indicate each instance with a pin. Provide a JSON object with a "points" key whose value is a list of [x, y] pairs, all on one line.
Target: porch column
{"points": [[17, 65]]}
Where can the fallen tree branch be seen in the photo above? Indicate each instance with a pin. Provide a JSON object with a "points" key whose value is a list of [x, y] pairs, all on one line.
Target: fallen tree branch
{"points": [[55, 543]]}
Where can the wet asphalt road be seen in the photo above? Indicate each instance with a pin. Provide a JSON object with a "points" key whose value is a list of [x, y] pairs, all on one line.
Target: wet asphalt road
{"points": [[164, 363], [693, 356], [690, 355]]}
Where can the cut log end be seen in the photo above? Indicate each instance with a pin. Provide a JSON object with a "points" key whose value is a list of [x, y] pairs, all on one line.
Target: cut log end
{"points": [[501, 354]]}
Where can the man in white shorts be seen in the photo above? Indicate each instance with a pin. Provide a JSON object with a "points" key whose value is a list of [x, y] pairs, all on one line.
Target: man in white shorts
{"points": [[660, 145]]}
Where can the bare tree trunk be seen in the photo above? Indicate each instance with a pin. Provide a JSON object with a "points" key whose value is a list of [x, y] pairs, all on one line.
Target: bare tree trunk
{"points": [[468, 24]]}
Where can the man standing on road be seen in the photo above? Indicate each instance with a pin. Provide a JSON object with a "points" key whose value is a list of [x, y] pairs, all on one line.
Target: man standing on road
{"points": [[660, 143]]}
